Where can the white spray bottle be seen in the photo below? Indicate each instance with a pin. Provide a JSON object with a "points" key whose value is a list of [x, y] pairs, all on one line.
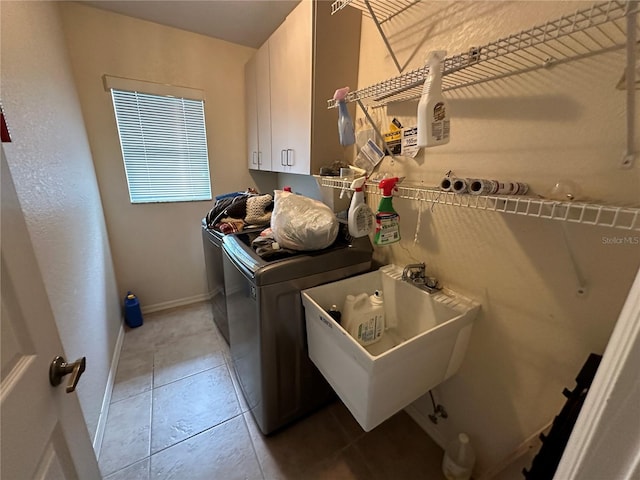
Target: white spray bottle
{"points": [[433, 111], [360, 217]]}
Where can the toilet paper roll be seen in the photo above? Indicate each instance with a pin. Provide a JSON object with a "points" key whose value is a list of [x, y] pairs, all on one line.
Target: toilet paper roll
{"points": [[481, 186], [446, 184], [522, 188], [511, 188], [459, 185]]}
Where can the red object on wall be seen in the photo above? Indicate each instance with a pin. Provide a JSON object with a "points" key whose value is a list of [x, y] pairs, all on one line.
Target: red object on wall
{"points": [[4, 130]]}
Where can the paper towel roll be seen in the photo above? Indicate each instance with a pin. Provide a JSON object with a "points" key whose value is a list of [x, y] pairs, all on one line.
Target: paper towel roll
{"points": [[459, 185], [511, 188], [446, 183], [481, 186]]}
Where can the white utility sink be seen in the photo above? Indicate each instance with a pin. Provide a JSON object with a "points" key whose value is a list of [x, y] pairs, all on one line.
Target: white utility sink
{"points": [[424, 344]]}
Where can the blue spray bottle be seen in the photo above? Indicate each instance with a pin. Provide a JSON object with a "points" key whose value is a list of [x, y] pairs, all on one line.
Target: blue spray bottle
{"points": [[345, 124]]}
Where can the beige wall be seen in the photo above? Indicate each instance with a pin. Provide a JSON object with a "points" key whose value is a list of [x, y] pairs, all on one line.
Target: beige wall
{"points": [[157, 248], [52, 168], [534, 332]]}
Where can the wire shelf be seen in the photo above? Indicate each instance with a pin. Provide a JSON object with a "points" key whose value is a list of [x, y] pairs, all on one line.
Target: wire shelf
{"points": [[625, 218], [591, 31], [380, 12], [383, 11]]}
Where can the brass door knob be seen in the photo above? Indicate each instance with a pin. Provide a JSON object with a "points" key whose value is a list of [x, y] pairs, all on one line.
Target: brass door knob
{"points": [[59, 368]]}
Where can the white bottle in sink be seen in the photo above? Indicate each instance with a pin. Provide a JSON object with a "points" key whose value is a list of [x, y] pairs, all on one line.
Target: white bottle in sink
{"points": [[348, 310], [364, 317]]}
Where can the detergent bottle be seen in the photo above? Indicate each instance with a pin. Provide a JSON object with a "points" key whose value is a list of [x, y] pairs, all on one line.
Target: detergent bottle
{"points": [[433, 110], [366, 318], [349, 309], [387, 219]]}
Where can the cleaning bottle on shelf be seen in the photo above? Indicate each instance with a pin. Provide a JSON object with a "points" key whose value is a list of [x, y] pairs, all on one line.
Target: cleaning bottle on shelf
{"points": [[387, 219], [433, 111], [459, 458], [345, 124], [360, 216], [366, 322]]}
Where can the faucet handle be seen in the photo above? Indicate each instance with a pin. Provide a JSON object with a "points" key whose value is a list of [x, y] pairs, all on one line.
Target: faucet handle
{"points": [[432, 282]]}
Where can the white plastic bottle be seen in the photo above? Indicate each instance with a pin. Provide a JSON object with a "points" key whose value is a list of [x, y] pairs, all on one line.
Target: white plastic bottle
{"points": [[360, 217], [433, 110], [459, 458], [367, 323], [348, 309]]}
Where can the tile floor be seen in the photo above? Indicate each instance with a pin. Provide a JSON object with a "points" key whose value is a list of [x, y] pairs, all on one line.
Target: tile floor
{"points": [[177, 413]]}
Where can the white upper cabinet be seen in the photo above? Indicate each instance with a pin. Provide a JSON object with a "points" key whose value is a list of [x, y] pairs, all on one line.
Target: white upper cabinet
{"points": [[310, 55], [258, 103], [291, 61], [251, 95]]}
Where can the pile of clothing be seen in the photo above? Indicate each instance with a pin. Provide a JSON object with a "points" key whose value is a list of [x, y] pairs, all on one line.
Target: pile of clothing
{"points": [[232, 212], [266, 246]]}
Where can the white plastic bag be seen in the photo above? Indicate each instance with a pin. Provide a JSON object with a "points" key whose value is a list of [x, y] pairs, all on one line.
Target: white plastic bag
{"points": [[301, 223]]}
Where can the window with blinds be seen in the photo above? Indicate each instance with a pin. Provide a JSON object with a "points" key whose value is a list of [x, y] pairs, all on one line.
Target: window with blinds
{"points": [[164, 146]]}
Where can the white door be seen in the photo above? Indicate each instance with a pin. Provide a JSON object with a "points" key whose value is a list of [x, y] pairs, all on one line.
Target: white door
{"points": [[43, 433]]}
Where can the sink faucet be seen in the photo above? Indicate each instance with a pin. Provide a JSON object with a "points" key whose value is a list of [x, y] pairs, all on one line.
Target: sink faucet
{"points": [[415, 273]]}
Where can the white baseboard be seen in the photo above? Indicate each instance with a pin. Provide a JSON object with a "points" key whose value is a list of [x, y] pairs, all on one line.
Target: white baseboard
{"points": [[531, 443], [181, 302], [106, 401]]}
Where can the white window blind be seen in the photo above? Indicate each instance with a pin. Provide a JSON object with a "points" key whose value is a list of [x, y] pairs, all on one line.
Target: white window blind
{"points": [[164, 147]]}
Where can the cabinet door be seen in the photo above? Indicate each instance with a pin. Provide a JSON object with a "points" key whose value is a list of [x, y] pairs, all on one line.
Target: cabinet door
{"points": [[300, 58], [280, 75], [263, 90], [251, 112], [291, 56]]}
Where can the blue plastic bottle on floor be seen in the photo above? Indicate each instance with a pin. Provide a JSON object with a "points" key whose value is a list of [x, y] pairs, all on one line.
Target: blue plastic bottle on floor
{"points": [[132, 312]]}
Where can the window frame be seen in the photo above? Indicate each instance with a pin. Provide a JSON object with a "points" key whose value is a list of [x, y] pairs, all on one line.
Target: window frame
{"points": [[186, 106]]}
